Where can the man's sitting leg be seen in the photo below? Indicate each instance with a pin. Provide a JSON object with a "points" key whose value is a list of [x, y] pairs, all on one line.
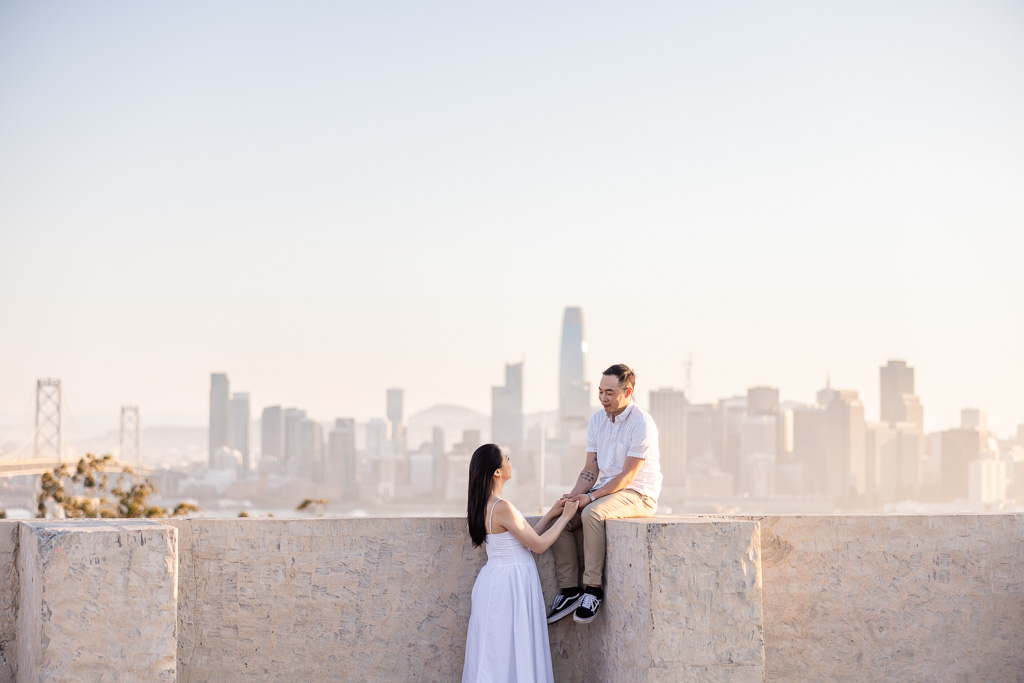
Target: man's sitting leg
{"points": [[566, 572], [619, 505]]}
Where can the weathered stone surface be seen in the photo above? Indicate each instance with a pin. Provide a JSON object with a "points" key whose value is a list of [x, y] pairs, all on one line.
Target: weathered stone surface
{"points": [[10, 593], [683, 602], [871, 598], [324, 599], [695, 598], [97, 601]]}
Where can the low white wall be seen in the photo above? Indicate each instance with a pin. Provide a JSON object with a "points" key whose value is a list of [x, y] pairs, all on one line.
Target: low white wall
{"points": [[872, 598], [695, 598]]}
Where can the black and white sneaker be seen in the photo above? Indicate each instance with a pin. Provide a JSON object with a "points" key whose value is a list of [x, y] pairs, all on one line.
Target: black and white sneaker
{"points": [[587, 610], [563, 605]]}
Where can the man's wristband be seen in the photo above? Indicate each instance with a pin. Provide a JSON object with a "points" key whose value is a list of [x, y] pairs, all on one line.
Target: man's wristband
{"points": [[591, 494]]}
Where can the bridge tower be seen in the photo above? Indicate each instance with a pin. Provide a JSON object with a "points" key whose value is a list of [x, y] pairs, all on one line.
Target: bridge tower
{"points": [[49, 440], [130, 450]]}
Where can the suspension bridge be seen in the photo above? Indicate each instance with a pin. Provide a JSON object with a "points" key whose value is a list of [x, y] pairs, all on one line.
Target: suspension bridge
{"points": [[48, 446]]}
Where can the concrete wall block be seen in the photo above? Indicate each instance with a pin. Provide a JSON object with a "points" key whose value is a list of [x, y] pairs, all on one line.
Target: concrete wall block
{"points": [[704, 603], [98, 600], [682, 602], [324, 599], [10, 594], [931, 597]]}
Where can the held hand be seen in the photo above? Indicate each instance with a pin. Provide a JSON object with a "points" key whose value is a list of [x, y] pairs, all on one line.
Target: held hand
{"points": [[582, 500], [570, 508]]}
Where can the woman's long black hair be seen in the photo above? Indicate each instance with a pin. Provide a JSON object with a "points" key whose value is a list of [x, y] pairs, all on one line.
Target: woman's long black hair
{"points": [[486, 460]]}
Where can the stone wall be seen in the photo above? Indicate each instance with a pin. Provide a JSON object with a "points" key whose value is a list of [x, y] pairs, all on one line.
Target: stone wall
{"points": [[683, 602], [695, 598], [10, 595], [325, 599], [871, 598], [97, 601]]}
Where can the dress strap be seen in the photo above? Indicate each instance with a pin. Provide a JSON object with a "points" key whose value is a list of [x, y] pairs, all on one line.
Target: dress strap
{"points": [[491, 516]]}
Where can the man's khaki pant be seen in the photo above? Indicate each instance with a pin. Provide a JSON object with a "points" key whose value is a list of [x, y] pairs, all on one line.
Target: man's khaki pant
{"points": [[589, 522]]}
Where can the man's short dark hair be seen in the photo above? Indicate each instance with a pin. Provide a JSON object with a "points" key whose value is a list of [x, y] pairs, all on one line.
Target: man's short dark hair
{"points": [[625, 375]]}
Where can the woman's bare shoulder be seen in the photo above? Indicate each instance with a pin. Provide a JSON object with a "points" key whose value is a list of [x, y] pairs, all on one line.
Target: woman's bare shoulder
{"points": [[505, 513]]}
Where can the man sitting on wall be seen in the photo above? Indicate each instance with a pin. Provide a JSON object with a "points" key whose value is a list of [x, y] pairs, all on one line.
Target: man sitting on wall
{"points": [[621, 478]]}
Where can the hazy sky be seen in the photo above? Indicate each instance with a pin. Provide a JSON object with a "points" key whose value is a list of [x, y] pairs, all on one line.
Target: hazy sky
{"points": [[327, 199]]}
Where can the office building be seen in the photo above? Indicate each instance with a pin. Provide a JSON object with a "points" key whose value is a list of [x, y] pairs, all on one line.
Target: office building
{"points": [[507, 410], [311, 454], [293, 418], [762, 401], [898, 403], [973, 418], [272, 438], [810, 447], [668, 408], [700, 438], [220, 414], [340, 466], [759, 438], [573, 387], [958, 447], [380, 454], [729, 428], [240, 425], [846, 473], [396, 416], [987, 481]]}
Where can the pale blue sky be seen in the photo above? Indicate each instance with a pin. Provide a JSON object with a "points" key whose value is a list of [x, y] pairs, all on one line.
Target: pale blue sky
{"points": [[327, 199]]}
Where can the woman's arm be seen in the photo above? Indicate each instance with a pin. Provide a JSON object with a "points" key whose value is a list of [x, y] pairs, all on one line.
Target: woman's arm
{"points": [[549, 516], [512, 520]]}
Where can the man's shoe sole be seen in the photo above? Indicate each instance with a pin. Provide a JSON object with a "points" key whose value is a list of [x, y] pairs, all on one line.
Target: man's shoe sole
{"points": [[584, 620], [565, 611]]}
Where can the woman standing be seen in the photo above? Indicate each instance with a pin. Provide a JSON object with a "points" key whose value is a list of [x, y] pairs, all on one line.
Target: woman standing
{"points": [[508, 630]]}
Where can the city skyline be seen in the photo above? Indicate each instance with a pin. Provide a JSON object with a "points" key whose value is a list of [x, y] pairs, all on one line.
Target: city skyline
{"points": [[392, 403], [327, 203]]}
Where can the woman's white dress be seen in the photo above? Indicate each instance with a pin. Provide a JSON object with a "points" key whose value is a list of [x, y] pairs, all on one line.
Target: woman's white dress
{"points": [[508, 628]]}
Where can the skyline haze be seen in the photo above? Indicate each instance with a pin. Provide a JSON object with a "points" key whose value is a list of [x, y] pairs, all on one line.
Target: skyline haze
{"points": [[327, 202]]}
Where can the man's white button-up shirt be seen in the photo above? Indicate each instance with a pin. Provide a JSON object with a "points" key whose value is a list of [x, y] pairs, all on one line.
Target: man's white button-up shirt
{"points": [[633, 434]]}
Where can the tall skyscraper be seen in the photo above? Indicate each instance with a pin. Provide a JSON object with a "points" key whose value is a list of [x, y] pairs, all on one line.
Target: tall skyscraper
{"points": [[668, 408], [959, 448], [272, 438], [882, 446], [293, 418], [396, 406], [340, 468], [700, 438], [896, 379], [311, 443], [973, 418], [573, 387], [729, 430], [380, 455], [396, 416], [437, 451], [220, 414], [758, 453], [810, 447], [240, 419], [507, 410], [846, 457], [762, 401]]}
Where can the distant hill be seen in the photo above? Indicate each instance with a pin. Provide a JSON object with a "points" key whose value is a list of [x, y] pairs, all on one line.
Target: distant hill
{"points": [[160, 445], [452, 419]]}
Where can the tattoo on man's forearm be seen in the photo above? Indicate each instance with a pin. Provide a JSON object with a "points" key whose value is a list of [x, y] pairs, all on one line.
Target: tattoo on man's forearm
{"points": [[587, 475]]}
